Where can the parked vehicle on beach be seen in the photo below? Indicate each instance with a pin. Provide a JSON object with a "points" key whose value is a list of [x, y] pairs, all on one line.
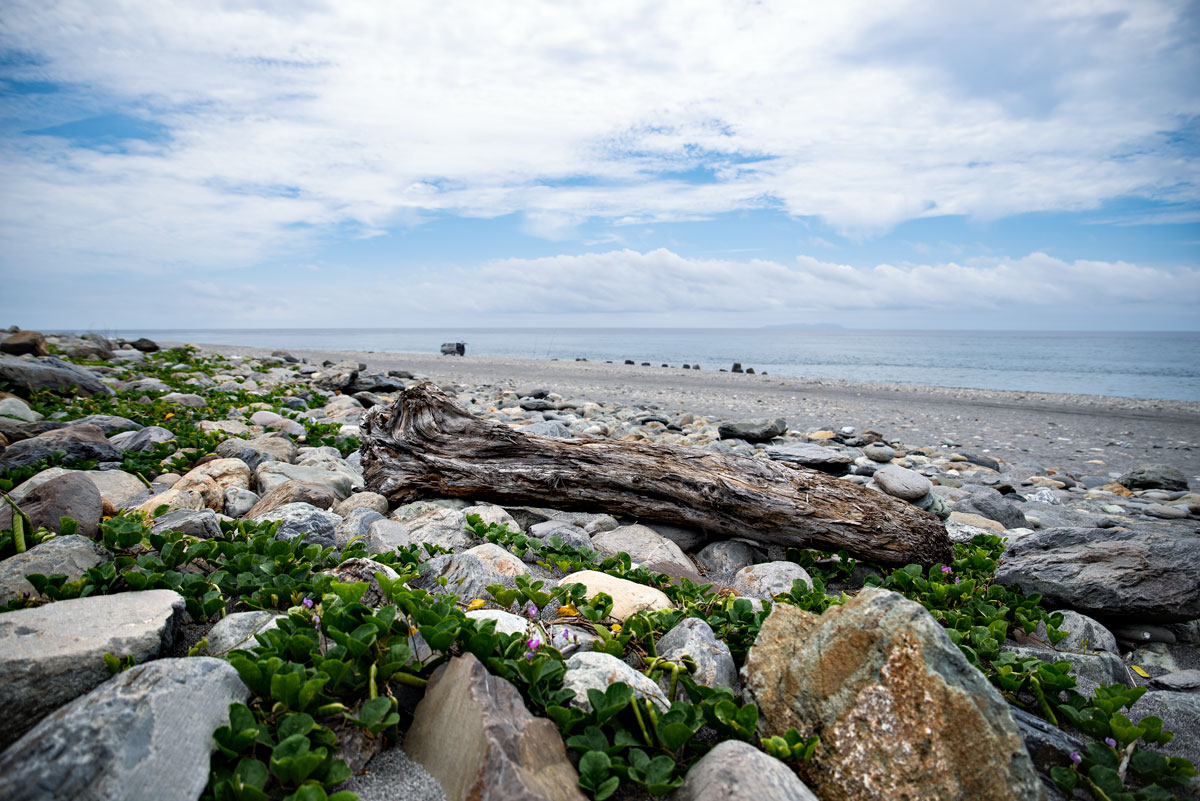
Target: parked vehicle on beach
{"points": [[454, 348]]}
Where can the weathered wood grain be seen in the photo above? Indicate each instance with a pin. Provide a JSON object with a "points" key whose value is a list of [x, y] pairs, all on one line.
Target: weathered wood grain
{"points": [[426, 445]]}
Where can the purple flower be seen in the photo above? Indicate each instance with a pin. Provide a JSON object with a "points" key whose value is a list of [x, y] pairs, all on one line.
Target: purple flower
{"points": [[957, 579], [531, 611], [529, 655], [946, 570], [308, 603], [533, 643], [1075, 757], [316, 621], [1110, 742]]}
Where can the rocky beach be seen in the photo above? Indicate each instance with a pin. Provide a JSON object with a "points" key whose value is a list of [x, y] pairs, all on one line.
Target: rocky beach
{"points": [[230, 588]]}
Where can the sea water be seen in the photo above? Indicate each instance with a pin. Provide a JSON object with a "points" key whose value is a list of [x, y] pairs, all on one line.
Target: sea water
{"points": [[1137, 364]]}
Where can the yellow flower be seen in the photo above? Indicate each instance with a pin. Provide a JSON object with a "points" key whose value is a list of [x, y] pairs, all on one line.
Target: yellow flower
{"points": [[616, 628], [567, 611], [169, 415], [478, 603]]}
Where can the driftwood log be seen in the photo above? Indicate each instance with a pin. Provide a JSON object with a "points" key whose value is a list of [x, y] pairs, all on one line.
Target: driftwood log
{"points": [[426, 444]]}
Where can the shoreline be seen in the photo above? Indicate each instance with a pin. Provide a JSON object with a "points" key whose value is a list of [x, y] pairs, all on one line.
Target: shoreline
{"points": [[1035, 428]]}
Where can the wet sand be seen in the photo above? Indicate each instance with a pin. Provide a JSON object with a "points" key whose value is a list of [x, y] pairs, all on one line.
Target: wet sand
{"points": [[1025, 428]]}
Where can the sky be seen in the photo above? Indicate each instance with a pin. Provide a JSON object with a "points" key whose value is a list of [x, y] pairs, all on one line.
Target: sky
{"points": [[879, 164]]}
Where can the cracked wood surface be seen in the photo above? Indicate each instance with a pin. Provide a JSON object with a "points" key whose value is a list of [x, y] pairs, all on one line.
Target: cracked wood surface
{"points": [[427, 445]]}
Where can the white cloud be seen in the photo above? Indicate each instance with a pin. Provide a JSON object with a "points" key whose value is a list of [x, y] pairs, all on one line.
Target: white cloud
{"points": [[292, 120]]}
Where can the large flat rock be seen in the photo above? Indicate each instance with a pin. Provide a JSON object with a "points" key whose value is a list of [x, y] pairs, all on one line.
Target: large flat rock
{"points": [[1108, 573], [50, 373], [143, 735], [51, 654], [473, 733], [900, 711], [71, 556]]}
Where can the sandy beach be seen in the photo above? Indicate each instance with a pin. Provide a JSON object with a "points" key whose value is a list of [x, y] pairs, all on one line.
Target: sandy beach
{"points": [[1024, 428]]}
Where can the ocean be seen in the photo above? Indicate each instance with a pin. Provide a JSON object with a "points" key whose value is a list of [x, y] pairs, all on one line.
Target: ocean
{"points": [[1139, 364]]}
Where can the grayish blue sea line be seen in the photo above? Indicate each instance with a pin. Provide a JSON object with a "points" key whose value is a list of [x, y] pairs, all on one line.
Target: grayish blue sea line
{"points": [[1130, 364]]}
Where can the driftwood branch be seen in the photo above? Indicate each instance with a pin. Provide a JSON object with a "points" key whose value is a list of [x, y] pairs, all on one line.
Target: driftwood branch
{"points": [[426, 444]]}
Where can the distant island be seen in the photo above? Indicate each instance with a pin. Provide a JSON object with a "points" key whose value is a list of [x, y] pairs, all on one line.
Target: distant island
{"points": [[805, 325]]}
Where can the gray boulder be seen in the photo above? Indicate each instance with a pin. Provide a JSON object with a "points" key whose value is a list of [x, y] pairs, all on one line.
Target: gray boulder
{"points": [[70, 556], [353, 571], [473, 733], [185, 399], [737, 770], [144, 735], [902, 483], [51, 654], [592, 670], [70, 495], [293, 491], [466, 576], [1090, 670], [570, 534], [367, 500], [826, 458], [254, 452], [714, 664], [143, 439], [203, 523], [759, 430], [767, 579], [29, 374], [356, 524], [1155, 476], [728, 556], [271, 474], [316, 526], [988, 503], [108, 423], [76, 442], [1150, 576], [1180, 713], [237, 630], [1085, 634], [646, 547], [239, 501]]}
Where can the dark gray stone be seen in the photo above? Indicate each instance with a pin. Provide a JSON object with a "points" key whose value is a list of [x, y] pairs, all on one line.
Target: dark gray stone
{"points": [[143, 735], [753, 430], [828, 459], [70, 556], [143, 439], [466, 576], [1118, 574], [47, 372], [1090, 670], [729, 556], [1154, 476], [570, 534], [988, 503], [356, 523], [316, 526], [108, 423], [76, 442], [714, 664], [51, 654], [255, 452], [70, 495], [900, 482], [203, 523], [1180, 713], [1048, 746]]}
